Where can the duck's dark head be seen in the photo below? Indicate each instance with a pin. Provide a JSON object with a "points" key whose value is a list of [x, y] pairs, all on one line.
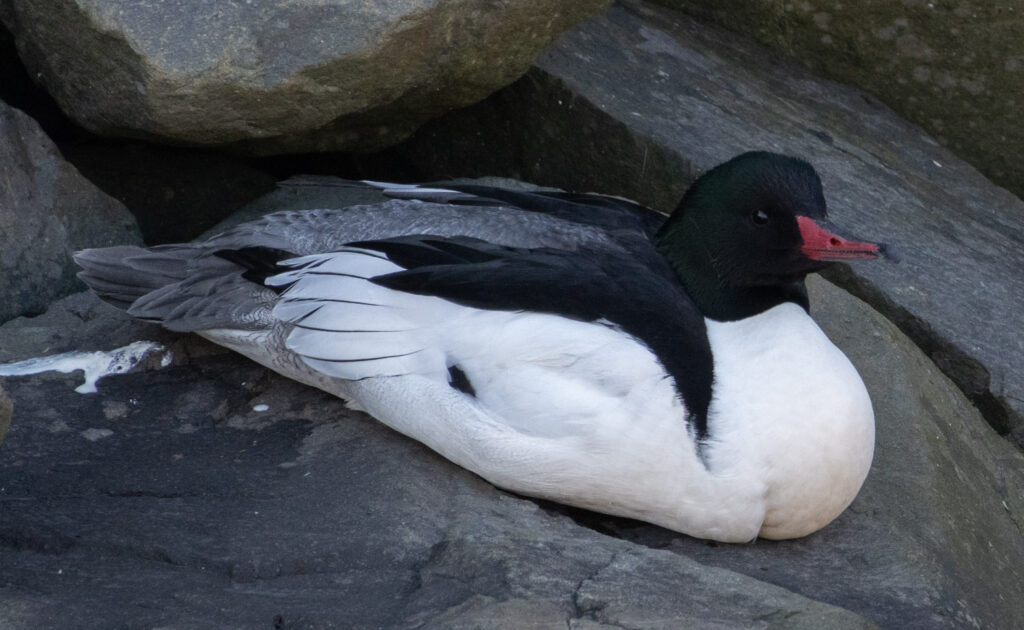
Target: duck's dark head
{"points": [[748, 232]]}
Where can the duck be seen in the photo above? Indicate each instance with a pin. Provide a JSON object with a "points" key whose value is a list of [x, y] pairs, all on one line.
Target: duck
{"points": [[576, 348]]}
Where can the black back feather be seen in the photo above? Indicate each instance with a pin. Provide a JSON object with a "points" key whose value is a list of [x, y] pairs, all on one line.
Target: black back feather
{"points": [[258, 263], [639, 295]]}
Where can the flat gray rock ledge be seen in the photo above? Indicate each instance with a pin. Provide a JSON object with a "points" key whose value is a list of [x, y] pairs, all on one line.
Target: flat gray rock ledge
{"points": [[641, 99]]}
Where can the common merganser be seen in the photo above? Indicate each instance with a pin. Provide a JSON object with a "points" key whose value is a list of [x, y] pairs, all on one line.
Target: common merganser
{"points": [[575, 348]]}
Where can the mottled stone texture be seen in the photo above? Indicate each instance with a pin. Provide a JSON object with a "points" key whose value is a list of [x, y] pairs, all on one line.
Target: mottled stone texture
{"points": [[271, 76], [955, 68], [47, 212], [639, 100]]}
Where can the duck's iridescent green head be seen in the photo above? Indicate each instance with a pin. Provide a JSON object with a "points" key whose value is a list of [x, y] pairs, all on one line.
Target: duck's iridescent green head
{"points": [[747, 233]]}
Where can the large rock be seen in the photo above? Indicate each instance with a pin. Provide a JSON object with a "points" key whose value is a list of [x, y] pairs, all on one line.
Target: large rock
{"points": [[213, 494], [637, 101], [268, 76], [955, 68], [19, 91], [47, 211]]}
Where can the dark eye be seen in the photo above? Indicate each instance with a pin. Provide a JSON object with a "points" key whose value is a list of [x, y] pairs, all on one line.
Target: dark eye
{"points": [[760, 217]]}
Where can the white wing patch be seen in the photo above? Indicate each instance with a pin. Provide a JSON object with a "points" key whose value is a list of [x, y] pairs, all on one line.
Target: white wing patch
{"points": [[539, 373], [350, 261], [346, 326]]}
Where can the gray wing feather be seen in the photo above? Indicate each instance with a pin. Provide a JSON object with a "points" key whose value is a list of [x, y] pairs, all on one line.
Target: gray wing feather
{"points": [[120, 275], [187, 287], [317, 231]]}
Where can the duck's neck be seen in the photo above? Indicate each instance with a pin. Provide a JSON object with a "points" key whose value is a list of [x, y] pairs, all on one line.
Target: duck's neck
{"points": [[715, 297]]}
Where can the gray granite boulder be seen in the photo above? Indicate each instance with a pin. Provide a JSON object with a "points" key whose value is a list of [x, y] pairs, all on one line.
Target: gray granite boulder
{"points": [[955, 68], [271, 77], [639, 100], [47, 211]]}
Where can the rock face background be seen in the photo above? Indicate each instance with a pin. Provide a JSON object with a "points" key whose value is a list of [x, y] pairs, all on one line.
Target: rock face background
{"points": [[169, 499], [47, 212], [955, 68], [269, 76]]}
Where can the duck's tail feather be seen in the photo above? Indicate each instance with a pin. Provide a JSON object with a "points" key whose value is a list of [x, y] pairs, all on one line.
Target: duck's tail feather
{"points": [[183, 287], [121, 275]]}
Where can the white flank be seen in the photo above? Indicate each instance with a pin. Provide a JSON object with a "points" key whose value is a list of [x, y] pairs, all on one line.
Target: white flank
{"points": [[582, 413]]}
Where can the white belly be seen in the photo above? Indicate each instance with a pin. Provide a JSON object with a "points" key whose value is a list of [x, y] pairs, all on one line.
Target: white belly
{"points": [[583, 414], [790, 404]]}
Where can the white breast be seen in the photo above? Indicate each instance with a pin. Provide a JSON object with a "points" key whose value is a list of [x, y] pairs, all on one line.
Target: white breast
{"points": [[789, 407]]}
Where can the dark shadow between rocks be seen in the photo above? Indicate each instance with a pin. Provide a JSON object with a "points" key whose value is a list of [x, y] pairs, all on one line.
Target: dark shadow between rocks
{"points": [[18, 90], [175, 193]]}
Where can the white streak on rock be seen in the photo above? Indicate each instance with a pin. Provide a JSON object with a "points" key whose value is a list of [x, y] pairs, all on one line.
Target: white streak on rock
{"points": [[95, 365]]}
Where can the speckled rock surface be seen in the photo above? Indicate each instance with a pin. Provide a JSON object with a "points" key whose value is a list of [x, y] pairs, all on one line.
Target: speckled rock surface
{"points": [[955, 68], [47, 211], [6, 409], [639, 100], [267, 76]]}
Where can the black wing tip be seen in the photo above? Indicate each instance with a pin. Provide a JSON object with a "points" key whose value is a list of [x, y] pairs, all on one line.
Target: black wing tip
{"points": [[258, 263], [429, 250]]}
